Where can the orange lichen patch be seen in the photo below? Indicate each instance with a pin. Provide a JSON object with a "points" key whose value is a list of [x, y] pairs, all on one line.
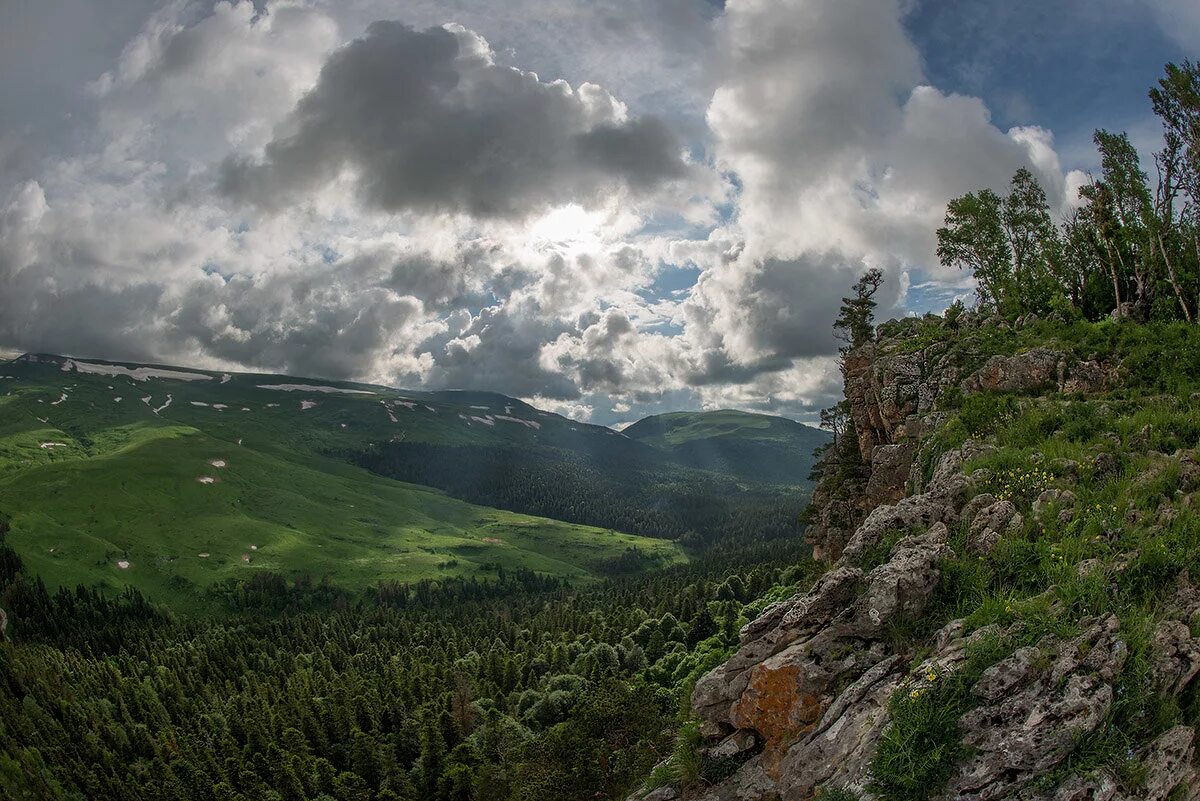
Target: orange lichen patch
{"points": [[779, 706]]}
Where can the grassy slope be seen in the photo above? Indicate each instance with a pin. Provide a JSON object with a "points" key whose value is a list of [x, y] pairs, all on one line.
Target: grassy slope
{"points": [[1132, 531], [754, 446], [124, 485]]}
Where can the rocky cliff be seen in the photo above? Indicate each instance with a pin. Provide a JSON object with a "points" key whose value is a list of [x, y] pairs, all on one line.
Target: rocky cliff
{"points": [[978, 633]]}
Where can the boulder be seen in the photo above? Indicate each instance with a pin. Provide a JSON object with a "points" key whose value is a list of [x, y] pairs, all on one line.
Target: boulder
{"points": [[1176, 655], [1033, 708], [991, 524], [890, 465], [795, 659], [1085, 378], [1026, 372]]}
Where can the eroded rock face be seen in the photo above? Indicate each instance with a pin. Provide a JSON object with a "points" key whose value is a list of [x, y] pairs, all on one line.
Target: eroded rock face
{"points": [[990, 524], [890, 465], [1086, 377], [1033, 707], [941, 502], [796, 659], [1176, 655], [1026, 372], [1170, 774]]}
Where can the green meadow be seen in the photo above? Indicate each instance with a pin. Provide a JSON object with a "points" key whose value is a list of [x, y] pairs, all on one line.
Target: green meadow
{"points": [[105, 492]]}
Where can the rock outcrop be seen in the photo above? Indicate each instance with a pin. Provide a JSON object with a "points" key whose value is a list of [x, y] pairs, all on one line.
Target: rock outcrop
{"points": [[803, 703]]}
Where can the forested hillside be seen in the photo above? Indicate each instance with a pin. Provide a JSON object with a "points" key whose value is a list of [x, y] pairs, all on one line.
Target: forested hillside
{"points": [[175, 480], [755, 447]]}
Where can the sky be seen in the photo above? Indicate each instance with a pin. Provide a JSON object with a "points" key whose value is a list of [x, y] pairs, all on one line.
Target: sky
{"points": [[609, 208]]}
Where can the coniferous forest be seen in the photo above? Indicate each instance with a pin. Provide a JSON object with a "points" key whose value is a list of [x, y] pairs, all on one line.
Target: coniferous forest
{"points": [[514, 689]]}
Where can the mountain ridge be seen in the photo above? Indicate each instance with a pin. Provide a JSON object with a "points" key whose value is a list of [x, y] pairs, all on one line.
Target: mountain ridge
{"points": [[461, 482]]}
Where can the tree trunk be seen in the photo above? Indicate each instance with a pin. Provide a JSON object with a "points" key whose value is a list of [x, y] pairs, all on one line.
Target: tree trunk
{"points": [[1162, 248], [1112, 272]]}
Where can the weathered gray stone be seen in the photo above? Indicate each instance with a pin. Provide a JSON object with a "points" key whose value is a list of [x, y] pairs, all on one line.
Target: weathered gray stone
{"points": [[991, 524], [1085, 378], [1035, 705], [838, 751], [1176, 655], [1169, 762], [750, 783], [1025, 372], [890, 465]]}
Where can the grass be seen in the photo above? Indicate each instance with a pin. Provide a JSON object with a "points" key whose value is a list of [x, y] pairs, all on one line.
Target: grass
{"points": [[124, 487], [1031, 584]]}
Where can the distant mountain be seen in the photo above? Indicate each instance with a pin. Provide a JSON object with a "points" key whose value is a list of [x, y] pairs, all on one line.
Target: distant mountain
{"points": [[173, 479], [756, 447]]}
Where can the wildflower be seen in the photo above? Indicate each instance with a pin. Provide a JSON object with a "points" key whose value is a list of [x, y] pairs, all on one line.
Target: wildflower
{"points": [[915, 694], [931, 676]]}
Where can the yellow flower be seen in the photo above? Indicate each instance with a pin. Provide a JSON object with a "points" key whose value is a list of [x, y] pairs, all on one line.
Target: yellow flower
{"points": [[931, 676], [915, 694]]}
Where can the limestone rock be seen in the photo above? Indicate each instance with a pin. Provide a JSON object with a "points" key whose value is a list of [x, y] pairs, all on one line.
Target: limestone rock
{"points": [[1025, 372], [1169, 762], [890, 465], [992, 523], [750, 783], [1034, 705], [1176, 655], [1086, 377], [839, 750]]}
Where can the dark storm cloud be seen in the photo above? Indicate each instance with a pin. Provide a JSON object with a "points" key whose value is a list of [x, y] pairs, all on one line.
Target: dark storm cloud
{"points": [[428, 122]]}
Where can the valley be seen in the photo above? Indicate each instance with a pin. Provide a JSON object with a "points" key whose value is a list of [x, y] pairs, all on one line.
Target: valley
{"points": [[177, 481]]}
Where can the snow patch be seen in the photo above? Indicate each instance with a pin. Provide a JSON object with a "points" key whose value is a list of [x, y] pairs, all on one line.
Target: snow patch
{"points": [[61, 398], [203, 555], [405, 404], [220, 406], [272, 405], [305, 405], [225, 378], [527, 423], [430, 408], [206, 479], [217, 462], [50, 445], [485, 408], [199, 403], [137, 373], [123, 564], [313, 388], [117, 399], [165, 405]]}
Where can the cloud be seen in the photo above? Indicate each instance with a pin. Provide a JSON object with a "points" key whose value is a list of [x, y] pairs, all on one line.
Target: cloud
{"points": [[1179, 20], [195, 85], [427, 121], [845, 161], [264, 191]]}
